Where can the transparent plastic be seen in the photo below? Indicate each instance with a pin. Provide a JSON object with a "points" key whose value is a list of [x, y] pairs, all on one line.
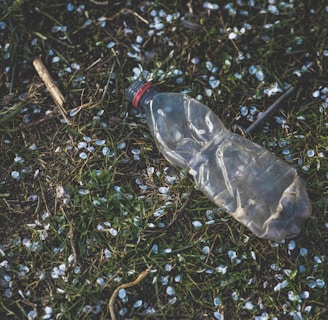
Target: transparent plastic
{"points": [[239, 176]]}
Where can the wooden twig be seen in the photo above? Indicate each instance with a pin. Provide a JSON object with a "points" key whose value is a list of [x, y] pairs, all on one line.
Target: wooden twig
{"points": [[268, 112], [133, 283], [56, 95], [71, 239], [128, 11], [43, 196]]}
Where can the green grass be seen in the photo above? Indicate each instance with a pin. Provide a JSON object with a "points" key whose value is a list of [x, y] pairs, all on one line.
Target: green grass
{"points": [[71, 256]]}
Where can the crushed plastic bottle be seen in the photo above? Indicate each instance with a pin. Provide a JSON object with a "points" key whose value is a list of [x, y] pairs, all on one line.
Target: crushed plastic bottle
{"points": [[239, 176]]}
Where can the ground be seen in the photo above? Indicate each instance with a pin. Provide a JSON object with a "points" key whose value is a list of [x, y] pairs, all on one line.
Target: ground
{"points": [[87, 202]]}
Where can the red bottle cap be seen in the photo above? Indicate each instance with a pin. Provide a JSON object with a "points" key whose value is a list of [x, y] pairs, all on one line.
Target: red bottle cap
{"points": [[140, 93]]}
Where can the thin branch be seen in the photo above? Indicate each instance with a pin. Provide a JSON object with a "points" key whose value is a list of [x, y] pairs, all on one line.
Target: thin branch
{"points": [[133, 283], [268, 112], [56, 94], [71, 239], [126, 11], [43, 196]]}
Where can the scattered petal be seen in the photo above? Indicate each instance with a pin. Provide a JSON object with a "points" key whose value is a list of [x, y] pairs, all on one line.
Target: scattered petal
{"points": [[218, 315], [19, 159], [122, 293], [74, 112], [232, 35], [100, 142], [209, 65], [208, 92], [244, 111], [217, 302], [111, 44], [113, 232], [31, 315], [195, 60], [232, 255], [2, 25], [214, 83], [121, 145], [305, 295], [291, 245], [83, 192], [310, 153], [316, 94], [55, 59], [15, 175], [252, 70], [303, 252], [163, 190], [281, 285], [210, 6], [291, 296], [69, 7], [170, 291], [155, 248], [100, 227], [249, 305], [83, 155], [101, 281], [320, 283], [253, 255], [137, 304], [197, 224], [106, 152], [221, 269], [206, 250]]}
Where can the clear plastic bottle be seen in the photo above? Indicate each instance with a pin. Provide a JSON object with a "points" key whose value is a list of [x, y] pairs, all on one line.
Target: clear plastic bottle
{"points": [[241, 177]]}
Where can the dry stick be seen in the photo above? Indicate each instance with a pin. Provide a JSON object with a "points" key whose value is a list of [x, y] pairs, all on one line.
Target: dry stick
{"points": [[39, 66], [71, 239], [133, 283], [270, 110], [43, 196], [56, 95], [127, 11]]}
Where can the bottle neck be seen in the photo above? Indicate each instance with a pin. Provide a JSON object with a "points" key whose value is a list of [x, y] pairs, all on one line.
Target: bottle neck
{"points": [[141, 93], [146, 97]]}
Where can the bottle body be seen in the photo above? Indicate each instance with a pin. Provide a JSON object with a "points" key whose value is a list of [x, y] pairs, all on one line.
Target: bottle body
{"points": [[239, 176]]}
